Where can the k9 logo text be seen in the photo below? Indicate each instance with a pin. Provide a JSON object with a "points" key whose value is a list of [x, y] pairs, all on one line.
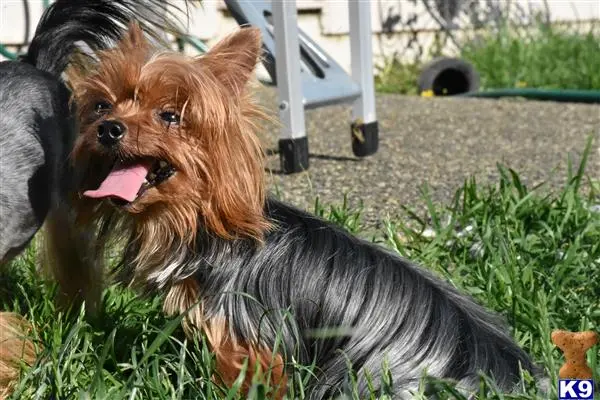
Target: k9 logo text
{"points": [[575, 389]]}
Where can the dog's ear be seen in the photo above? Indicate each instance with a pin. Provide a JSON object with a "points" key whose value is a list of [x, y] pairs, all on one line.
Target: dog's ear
{"points": [[134, 40], [233, 59]]}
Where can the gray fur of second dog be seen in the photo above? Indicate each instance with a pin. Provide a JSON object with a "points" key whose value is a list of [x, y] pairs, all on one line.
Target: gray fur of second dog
{"points": [[35, 138]]}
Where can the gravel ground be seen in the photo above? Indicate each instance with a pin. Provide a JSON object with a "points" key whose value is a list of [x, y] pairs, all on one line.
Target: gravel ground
{"points": [[434, 141]]}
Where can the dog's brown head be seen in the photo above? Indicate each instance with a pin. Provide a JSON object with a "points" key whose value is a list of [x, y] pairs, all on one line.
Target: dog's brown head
{"points": [[169, 140]]}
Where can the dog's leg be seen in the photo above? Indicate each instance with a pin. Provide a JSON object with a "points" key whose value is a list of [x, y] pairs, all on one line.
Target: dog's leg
{"points": [[72, 259], [230, 356], [15, 348]]}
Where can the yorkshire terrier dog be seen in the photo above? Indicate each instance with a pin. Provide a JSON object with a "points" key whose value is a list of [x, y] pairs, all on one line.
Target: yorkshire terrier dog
{"points": [[171, 169]]}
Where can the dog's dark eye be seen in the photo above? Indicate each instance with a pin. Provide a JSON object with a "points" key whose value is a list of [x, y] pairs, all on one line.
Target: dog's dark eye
{"points": [[169, 117], [102, 107]]}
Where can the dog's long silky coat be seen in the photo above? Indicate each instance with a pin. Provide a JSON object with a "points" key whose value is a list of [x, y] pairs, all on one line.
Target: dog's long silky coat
{"points": [[385, 307], [170, 163]]}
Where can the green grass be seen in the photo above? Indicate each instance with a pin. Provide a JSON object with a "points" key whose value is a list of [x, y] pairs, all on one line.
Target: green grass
{"points": [[398, 77], [548, 57], [529, 253], [542, 57]]}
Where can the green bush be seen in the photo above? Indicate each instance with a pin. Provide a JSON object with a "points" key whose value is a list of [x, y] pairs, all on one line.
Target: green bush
{"points": [[550, 57]]}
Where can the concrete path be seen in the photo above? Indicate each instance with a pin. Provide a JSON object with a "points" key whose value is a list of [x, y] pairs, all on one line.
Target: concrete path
{"points": [[438, 141]]}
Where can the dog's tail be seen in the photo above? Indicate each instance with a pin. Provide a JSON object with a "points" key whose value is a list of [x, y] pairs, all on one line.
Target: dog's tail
{"points": [[97, 23]]}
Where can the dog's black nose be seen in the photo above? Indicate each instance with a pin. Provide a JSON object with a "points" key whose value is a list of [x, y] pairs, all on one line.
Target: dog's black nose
{"points": [[110, 132]]}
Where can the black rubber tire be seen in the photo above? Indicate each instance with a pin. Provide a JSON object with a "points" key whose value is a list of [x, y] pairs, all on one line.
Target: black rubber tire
{"points": [[448, 76]]}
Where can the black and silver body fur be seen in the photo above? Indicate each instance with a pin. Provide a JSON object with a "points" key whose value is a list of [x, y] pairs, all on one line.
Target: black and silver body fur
{"points": [[36, 125], [325, 278]]}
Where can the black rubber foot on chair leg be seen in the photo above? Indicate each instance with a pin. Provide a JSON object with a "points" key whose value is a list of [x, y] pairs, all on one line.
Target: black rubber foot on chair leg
{"points": [[293, 155], [365, 138]]}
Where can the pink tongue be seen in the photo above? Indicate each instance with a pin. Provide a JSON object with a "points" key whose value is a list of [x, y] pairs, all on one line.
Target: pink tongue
{"points": [[123, 182]]}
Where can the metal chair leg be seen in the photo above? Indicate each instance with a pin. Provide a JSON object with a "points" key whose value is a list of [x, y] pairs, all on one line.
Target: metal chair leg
{"points": [[307, 77], [364, 128], [293, 142]]}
